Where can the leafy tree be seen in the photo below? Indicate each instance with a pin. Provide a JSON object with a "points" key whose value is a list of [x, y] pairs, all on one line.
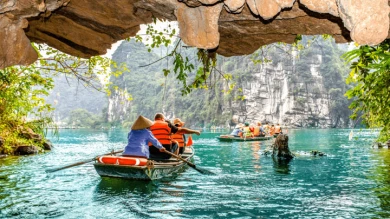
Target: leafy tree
{"points": [[371, 94], [21, 97], [22, 89], [183, 64]]}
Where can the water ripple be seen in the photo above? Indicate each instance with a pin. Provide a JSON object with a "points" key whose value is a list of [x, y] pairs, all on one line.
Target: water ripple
{"points": [[352, 181]]}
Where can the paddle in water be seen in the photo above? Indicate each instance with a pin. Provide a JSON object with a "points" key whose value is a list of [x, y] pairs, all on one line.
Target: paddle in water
{"points": [[80, 163], [200, 170]]}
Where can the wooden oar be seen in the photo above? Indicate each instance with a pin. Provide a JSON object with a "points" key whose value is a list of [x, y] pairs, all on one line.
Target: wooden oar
{"points": [[80, 163], [202, 171]]}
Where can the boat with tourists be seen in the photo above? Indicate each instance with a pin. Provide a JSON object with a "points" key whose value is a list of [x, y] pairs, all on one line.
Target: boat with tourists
{"points": [[142, 168], [231, 138]]}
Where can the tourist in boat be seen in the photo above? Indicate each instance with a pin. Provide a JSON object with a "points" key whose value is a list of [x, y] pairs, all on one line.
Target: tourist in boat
{"points": [[237, 131], [138, 138], [252, 129], [256, 131], [278, 129], [163, 129], [272, 130], [247, 131], [266, 128], [259, 130], [179, 136]]}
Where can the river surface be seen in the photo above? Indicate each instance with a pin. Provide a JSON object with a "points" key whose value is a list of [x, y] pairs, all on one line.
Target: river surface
{"points": [[352, 181]]}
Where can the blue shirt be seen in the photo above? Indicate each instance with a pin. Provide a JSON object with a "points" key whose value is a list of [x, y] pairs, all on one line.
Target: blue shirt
{"points": [[138, 143], [235, 132], [261, 129]]}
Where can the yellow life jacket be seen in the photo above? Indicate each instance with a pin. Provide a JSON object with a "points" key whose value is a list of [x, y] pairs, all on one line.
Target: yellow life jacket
{"points": [[247, 132]]}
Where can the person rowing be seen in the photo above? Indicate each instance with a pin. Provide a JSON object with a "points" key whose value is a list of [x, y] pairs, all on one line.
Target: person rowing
{"points": [[138, 139], [278, 129], [237, 131]]}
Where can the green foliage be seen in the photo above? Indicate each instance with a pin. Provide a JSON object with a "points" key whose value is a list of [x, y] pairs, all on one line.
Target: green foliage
{"points": [[370, 70], [21, 97], [85, 119], [183, 65], [22, 90]]}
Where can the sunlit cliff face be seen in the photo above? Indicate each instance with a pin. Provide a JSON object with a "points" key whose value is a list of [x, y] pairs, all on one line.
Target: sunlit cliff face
{"points": [[86, 28]]}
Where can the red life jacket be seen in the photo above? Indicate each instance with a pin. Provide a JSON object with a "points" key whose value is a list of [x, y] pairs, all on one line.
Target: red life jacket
{"points": [[179, 138], [161, 131]]}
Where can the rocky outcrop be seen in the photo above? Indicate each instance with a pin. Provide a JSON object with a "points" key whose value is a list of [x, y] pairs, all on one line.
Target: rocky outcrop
{"points": [[280, 148], [233, 27], [47, 145], [27, 150]]}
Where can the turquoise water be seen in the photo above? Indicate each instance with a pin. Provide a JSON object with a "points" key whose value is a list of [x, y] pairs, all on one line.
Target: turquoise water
{"points": [[353, 181]]}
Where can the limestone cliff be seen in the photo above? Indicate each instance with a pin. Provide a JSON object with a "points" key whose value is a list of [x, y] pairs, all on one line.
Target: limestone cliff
{"points": [[293, 91], [304, 91]]}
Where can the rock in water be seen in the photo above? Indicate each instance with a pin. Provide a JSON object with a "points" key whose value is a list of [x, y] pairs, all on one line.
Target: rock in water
{"points": [[27, 150], [47, 145], [280, 148]]}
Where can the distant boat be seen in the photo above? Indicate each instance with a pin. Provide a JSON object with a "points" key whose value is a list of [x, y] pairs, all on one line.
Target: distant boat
{"points": [[229, 138], [154, 170]]}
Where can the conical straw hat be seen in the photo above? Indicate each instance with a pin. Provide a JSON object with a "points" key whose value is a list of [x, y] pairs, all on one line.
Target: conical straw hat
{"points": [[141, 123]]}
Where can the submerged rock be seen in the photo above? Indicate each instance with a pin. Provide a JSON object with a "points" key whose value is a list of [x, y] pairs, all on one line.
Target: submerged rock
{"points": [[317, 153]]}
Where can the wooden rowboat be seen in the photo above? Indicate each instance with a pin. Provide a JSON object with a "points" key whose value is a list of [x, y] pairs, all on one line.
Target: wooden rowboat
{"points": [[229, 138], [153, 171]]}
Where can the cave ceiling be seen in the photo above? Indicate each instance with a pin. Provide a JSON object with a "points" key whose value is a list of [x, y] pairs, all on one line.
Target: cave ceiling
{"points": [[87, 28]]}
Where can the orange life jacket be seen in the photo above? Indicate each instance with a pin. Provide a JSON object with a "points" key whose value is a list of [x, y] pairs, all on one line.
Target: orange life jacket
{"points": [[257, 131], [161, 131], [272, 130], [179, 138]]}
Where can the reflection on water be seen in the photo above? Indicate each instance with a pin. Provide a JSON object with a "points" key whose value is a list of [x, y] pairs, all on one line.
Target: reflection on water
{"points": [[381, 174], [281, 165], [353, 181], [256, 146], [116, 186]]}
